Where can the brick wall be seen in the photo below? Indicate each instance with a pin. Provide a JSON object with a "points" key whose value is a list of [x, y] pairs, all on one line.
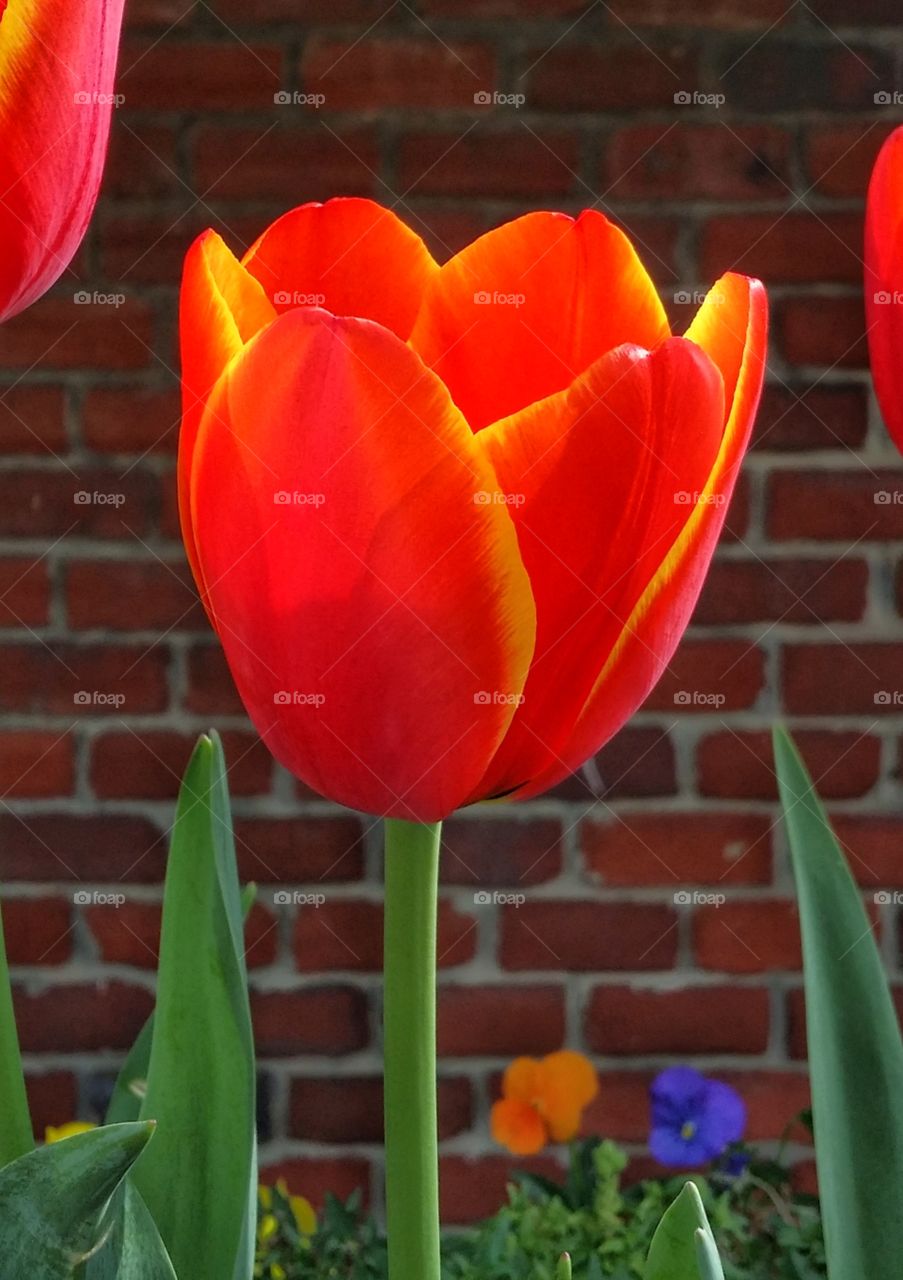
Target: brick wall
{"points": [[800, 615]]}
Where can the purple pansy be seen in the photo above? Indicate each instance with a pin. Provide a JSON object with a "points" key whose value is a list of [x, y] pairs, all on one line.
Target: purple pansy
{"points": [[694, 1120]]}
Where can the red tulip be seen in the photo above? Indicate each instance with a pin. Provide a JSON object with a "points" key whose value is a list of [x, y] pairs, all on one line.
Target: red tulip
{"points": [[57, 62], [884, 281], [450, 522]]}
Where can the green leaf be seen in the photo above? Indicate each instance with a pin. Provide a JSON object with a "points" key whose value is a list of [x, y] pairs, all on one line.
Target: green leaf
{"points": [[134, 1250], [672, 1253], [707, 1259], [564, 1267], [51, 1199], [199, 1180], [855, 1050], [16, 1138]]}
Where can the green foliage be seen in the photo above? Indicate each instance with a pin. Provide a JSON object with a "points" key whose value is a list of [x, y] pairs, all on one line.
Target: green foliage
{"points": [[763, 1231]]}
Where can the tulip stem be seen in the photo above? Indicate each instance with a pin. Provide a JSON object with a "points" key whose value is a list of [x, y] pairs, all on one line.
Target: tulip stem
{"points": [[409, 1030]]}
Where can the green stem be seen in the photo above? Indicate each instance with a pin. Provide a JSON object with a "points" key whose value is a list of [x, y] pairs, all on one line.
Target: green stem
{"points": [[15, 1123], [409, 1020]]}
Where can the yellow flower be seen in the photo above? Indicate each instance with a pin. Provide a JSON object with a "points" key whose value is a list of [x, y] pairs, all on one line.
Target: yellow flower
{"points": [[58, 1133], [302, 1209]]}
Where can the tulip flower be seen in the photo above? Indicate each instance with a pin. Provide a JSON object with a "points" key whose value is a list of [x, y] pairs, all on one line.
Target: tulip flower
{"points": [[542, 1101], [449, 523], [884, 281], [57, 62]]}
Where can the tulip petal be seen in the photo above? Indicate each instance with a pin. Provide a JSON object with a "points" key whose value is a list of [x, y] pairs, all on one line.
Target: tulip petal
{"points": [[884, 281], [597, 478], [732, 329], [57, 63], [221, 307], [350, 256], [527, 308], [517, 1126], [366, 586]]}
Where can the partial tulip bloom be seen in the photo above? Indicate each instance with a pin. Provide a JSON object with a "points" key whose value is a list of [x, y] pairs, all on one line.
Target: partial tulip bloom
{"points": [[543, 1101], [450, 522], [884, 281], [57, 63]]}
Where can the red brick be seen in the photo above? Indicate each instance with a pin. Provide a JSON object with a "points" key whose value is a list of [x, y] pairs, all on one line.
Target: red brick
{"points": [[131, 419], [446, 164], [620, 1110], [800, 591], [478, 852], [38, 504], [132, 595], [84, 680], [445, 230], [741, 765], [34, 763], [81, 1017], [837, 679], [378, 73], [785, 249], [721, 13], [199, 76], [822, 331], [869, 13], [798, 75], [473, 1189], [711, 675], [59, 333], [136, 249], [637, 762], [313, 850], [816, 417], [698, 161], [840, 506], [604, 77], [588, 936], [143, 162], [773, 1101], [505, 8], [32, 420], [631, 1020], [109, 848], [872, 847], [155, 13], [38, 930], [330, 1020], [317, 1178], [500, 1021], [129, 933], [24, 593], [350, 1108], [840, 158], [638, 848], [344, 934], [747, 937], [150, 764], [52, 1099], [288, 165], [211, 690]]}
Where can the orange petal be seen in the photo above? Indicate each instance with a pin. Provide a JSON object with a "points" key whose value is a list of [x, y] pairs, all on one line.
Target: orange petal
{"points": [[221, 307], [732, 328], [527, 308], [57, 63], [522, 1079], [593, 474], [375, 613], [568, 1082], [517, 1126], [884, 281], [350, 256]]}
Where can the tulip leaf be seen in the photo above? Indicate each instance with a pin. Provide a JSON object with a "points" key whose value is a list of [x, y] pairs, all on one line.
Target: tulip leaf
{"points": [[51, 1200], [199, 1181], [564, 1267], [133, 1250], [673, 1253], [707, 1258], [16, 1138], [855, 1049]]}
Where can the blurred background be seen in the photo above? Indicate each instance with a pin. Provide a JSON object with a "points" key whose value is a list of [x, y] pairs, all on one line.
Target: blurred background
{"points": [[643, 910]]}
